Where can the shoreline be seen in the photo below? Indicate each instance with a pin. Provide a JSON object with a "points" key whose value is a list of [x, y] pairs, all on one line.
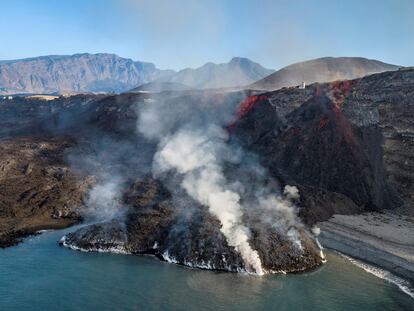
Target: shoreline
{"points": [[401, 283], [10, 237], [385, 240]]}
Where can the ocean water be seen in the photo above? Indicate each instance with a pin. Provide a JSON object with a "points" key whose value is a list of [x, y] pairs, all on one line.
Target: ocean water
{"points": [[40, 275]]}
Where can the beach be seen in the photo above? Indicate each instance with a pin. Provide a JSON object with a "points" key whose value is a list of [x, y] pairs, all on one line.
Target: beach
{"points": [[383, 239]]}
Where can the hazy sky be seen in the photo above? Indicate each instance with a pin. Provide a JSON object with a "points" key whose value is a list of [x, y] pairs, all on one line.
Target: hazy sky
{"points": [[187, 33]]}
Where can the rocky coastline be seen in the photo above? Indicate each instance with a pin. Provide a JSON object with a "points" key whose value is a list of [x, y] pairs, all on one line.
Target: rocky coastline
{"points": [[346, 146]]}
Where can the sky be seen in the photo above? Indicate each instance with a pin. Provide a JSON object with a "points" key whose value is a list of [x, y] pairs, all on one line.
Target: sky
{"points": [[175, 34]]}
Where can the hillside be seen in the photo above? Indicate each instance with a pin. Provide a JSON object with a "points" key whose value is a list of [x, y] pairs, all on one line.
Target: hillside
{"points": [[324, 69]]}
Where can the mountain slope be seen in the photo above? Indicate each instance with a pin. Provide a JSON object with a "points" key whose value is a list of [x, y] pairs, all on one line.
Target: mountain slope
{"points": [[238, 72], [75, 73], [324, 69]]}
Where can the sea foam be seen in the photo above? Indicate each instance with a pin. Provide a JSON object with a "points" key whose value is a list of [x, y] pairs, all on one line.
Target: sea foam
{"points": [[402, 284]]}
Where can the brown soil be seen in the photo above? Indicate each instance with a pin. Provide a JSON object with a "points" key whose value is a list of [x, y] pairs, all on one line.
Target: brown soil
{"points": [[37, 189]]}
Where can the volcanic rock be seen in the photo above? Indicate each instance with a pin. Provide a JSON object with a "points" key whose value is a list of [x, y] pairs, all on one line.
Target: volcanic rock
{"points": [[37, 189], [346, 146], [189, 237]]}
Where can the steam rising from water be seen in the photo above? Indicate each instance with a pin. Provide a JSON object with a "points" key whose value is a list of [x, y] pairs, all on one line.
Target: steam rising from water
{"points": [[104, 201], [193, 146], [194, 154]]}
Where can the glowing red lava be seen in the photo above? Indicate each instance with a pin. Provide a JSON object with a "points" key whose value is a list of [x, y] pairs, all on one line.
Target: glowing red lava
{"points": [[244, 107]]}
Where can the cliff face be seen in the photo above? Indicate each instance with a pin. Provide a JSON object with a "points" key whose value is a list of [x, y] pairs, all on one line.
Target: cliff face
{"points": [[316, 146], [387, 102], [75, 74], [351, 138]]}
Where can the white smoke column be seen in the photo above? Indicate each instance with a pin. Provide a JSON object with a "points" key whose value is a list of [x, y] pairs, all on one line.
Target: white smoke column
{"points": [[196, 154], [316, 232], [281, 213], [103, 202], [291, 192], [191, 141]]}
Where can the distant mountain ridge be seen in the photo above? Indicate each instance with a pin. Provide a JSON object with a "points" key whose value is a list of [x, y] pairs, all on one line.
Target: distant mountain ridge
{"points": [[105, 73], [324, 69], [75, 74], [238, 72], [84, 73]]}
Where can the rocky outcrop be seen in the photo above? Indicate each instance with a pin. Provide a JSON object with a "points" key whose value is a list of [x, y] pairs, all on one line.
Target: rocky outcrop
{"points": [[387, 102]]}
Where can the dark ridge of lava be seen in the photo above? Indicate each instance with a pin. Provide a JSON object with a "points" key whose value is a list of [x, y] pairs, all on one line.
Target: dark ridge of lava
{"points": [[153, 226], [317, 148]]}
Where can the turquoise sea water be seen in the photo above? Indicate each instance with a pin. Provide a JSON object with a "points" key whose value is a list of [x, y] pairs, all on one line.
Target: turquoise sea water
{"points": [[40, 275]]}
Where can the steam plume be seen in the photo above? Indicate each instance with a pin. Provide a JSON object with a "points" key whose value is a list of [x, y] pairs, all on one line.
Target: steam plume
{"points": [[194, 154], [104, 202], [193, 145]]}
